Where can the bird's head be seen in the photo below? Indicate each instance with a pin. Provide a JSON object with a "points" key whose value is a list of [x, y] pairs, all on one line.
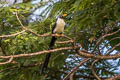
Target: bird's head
{"points": [[63, 16]]}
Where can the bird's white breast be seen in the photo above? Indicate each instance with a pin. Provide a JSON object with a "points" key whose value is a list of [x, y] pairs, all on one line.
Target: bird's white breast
{"points": [[60, 24]]}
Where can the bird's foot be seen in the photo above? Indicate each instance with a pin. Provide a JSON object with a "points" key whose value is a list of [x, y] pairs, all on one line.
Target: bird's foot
{"points": [[62, 35], [56, 35]]}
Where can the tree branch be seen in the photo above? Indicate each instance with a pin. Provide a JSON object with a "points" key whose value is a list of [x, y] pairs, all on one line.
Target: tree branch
{"points": [[93, 71], [64, 42], [11, 35], [34, 54], [90, 55], [9, 61]]}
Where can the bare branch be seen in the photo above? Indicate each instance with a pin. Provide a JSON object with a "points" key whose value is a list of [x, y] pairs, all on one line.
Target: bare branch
{"points": [[19, 21], [93, 71], [11, 35], [9, 61]]}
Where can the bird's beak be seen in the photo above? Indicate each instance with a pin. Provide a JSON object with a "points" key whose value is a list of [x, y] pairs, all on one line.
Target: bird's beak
{"points": [[64, 15]]}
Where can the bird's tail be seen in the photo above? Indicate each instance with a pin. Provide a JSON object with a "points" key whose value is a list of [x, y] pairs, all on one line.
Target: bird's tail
{"points": [[52, 42], [47, 58]]}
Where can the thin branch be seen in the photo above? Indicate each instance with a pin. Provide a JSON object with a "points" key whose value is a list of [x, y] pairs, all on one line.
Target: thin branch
{"points": [[20, 21], [93, 71], [75, 69], [9, 61], [117, 45], [64, 42], [11, 35]]}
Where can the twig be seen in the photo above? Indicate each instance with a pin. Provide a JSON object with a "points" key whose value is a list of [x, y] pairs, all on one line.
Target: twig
{"points": [[9, 61], [11, 35], [113, 48], [20, 21], [75, 69], [93, 71]]}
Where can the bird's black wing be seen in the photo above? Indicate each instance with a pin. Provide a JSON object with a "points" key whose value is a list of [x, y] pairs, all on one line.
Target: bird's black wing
{"points": [[66, 25], [54, 25]]}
